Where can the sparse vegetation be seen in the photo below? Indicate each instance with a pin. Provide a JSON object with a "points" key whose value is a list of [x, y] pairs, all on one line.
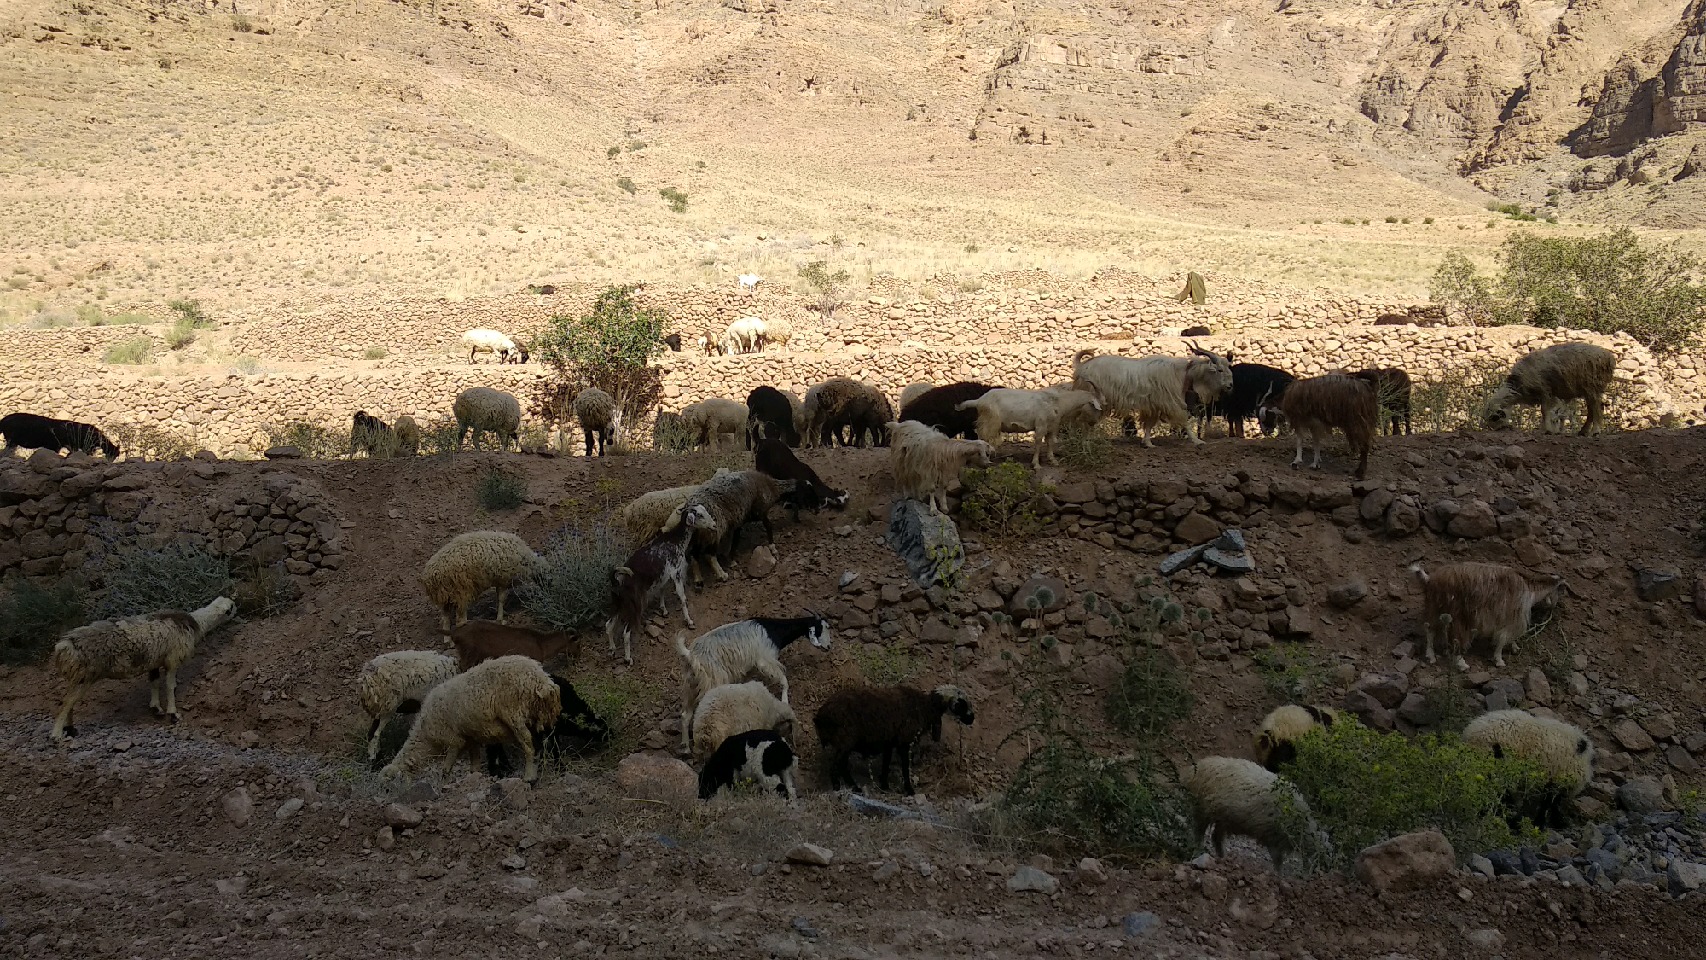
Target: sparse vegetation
{"points": [[129, 352], [888, 664], [1151, 695], [825, 284], [133, 576], [374, 353], [675, 198], [1457, 403], [500, 489], [34, 613], [571, 587], [1084, 448], [1002, 499], [626, 185], [315, 442], [147, 441], [1290, 673], [610, 347]]}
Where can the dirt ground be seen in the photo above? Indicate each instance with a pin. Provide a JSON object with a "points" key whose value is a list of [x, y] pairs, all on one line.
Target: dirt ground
{"points": [[120, 844]]}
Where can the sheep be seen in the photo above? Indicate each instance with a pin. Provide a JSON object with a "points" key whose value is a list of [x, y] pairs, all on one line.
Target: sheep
{"points": [[773, 458], [397, 683], [1276, 741], [153, 643], [1551, 378], [599, 417], [370, 434], [869, 417], [732, 499], [749, 282], [673, 342], [576, 721], [939, 407], [770, 415], [482, 340], [1253, 386], [761, 756], [1154, 388], [519, 355], [1039, 412], [477, 641], [408, 435], [745, 335], [734, 708], [1316, 405], [798, 406], [482, 409], [925, 462], [507, 700], [468, 565], [731, 652], [644, 516], [778, 331], [707, 420], [913, 391], [45, 433], [840, 402], [886, 720], [660, 561], [1563, 753], [1392, 391], [1463, 602], [1236, 797]]}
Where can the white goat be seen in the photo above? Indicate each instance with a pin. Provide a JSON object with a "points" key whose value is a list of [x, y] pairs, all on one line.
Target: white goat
{"points": [[1040, 412], [733, 651], [1154, 388], [749, 281]]}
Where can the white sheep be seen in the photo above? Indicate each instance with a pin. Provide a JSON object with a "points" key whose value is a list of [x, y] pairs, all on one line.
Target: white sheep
{"points": [[1040, 412], [599, 418], [1462, 602], [398, 682], [1234, 796], [408, 435], [482, 340], [925, 462], [468, 565], [708, 420], [749, 281], [509, 700], [1562, 751], [733, 651], [778, 331], [1553, 378], [1154, 388], [736, 708], [483, 409], [745, 335], [1276, 740], [153, 643]]}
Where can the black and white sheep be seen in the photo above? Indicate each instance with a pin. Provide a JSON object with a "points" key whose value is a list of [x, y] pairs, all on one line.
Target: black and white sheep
{"points": [[1253, 385], [397, 682], [773, 459], [35, 432], [468, 565], [758, 756], [1463, 602], [1154, 389], [577, 721], [1562, 751], [484, 410], [843, 403], [886, 721], [1276, 741], [939, 407], [733, 500], [1038, 412], [1235, 797], [659, 562], [736, 707], [1392, 391], [734, 651], [925, 463], [153, 643], [504, 701], [1315, 406], [770, 416], [708, 420], [1551, 378], [600, 418]]}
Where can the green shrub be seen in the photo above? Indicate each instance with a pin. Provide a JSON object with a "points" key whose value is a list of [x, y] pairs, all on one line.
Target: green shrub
{"points": [[1290, 673], [625, 703], [1364, 786], [131, 351], [374, 353], [626, 185], [1151, 695], [1458, 403], [189, 313], [1003, 500], [137, 577], [675, 198], [825, 284], [570, 588], [501, 490], [264, 590], [33, 614], [179, 335], [1084, 448], [887, 665]]}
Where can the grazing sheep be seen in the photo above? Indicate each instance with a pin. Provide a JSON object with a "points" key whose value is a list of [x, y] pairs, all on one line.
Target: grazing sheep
{"points": [[885, 720], [477, 641], [925, 462], [1039, 412], [770, 415], [599, 417], [660, 561], [1276, 742], [733, 651], [707, 420], [35, 432], [644, 516], [734, 708], [939, 407], [577, 721], [1392, 391], [397, 683], [1550, 378], [760, 756], [370, 434], [673, 342], [504, 701], [733, 500], [1154, 388], [777, 331], [1254, 385], [153, 643], [1235, 797], [798, 406], [1467, 601], [481, 340], [913, 391], [468, 565], [841, 402], [1316, 405], [749, 282], [408, 435], [745, 335], [1562, 751], [484, 409], [773, 459]]}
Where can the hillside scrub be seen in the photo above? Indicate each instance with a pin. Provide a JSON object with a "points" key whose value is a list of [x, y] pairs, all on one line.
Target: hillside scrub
{"points": [[611, 347]]}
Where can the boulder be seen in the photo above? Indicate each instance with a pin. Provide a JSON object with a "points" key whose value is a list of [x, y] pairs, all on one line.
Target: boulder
{"points": [[1049, 592], [1195, 528], [1406, 861], [928, 542], [1654, 584], [651, 777]]}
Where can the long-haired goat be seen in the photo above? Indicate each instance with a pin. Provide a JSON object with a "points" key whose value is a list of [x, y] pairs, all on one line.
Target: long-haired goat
{"points": [[1551, 378], [1317, 405], [1465, 601], [925, 462], [939, 407], [1154, 388], [1041, 412], [1392, 392]]}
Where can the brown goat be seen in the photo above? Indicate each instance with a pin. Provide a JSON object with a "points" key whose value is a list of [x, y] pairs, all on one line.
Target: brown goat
{"points": [[1392, 389], [1464, 601], [477, 641], [1319, 404]]}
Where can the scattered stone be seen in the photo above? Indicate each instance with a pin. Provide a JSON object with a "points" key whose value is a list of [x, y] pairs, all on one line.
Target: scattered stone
{"points": [[1233, 563], [513, 793], [1539, 689], [761, 562], [283, 453], [1090, 870], [810, 854], [1343, 596], [1032, 880], [1139, 924], [877, 808], [1657, 584], [1482, 866], [804, 928], [887, 870], [1486, 938], [1406, 860], [651, 777], [1182, 559], [1388, 689], [1195, 528], [1474, 521], [385, 839], [1630, 735], [1683, 878], [288, 809], [238, 806], [1641, 795], [402, 817], [1048, 592], [232, 887]]}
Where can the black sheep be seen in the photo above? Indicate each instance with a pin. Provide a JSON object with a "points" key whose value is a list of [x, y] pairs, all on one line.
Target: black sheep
{"points": [[758, 755], [773, 458], [883, 720], [1392, 389], [46, 433], [576, 722], [771, 415], [935, 408]]}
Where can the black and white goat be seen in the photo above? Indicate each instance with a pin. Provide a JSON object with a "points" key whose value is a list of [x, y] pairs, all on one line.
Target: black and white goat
{"points": [[658, 562], [734, 651]]}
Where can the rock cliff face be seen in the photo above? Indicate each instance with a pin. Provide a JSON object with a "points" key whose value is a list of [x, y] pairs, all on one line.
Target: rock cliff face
{"points": [[1640, 99], [1681, 93]]}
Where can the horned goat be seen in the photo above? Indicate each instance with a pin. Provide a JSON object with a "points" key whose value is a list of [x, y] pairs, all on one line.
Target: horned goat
{"points": [[733, 651], [1153, 389]]}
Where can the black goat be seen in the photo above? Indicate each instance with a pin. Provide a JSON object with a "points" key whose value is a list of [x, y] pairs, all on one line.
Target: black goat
{"points": [[576, 722], [46, 433], [936, 408], [773, 458], [771, 416], [673, 342], [1252, 383], [1392, 389]]}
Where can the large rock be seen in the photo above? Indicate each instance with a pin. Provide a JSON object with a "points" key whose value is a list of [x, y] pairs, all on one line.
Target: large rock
{"points": [[1049, 592], [1405, 861], [648, 776], [1653, 585], [1474, 521], [1032, 880], [1197, 529], [928, 542]]}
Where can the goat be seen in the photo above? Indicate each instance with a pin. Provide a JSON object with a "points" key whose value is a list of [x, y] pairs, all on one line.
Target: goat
{"points": [[1551, 378], [1316, 405], [773, 458], [939, 407], [660, 561], [1392, 392], [1154, 388], [1465, 601], [477, 641], [925, 462]]}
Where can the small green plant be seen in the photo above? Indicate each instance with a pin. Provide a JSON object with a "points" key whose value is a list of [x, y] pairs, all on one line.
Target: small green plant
{"points": [[1151, 695], [1428, 221], [1391, 219], [675, 198], [626, 185], [624, 703], [613, 152], [375, 353], [139, 577], [33, 614], [501, 490], [1458, 403], [241, 24], [179, 335], [131, 351], [189, 313], [1290, 673], [1003, 500], [1512, 210], [247, 366], [886, 665], [826, 284], [570, 588], [314, 441], [671, 435], [971, 248], [635, 146]]}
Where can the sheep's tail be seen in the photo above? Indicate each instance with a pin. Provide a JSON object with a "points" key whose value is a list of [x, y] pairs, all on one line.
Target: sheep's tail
{"points": [[966, 405], [1421, 574], [66, 659], [681, 645], [1081, 356]]}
